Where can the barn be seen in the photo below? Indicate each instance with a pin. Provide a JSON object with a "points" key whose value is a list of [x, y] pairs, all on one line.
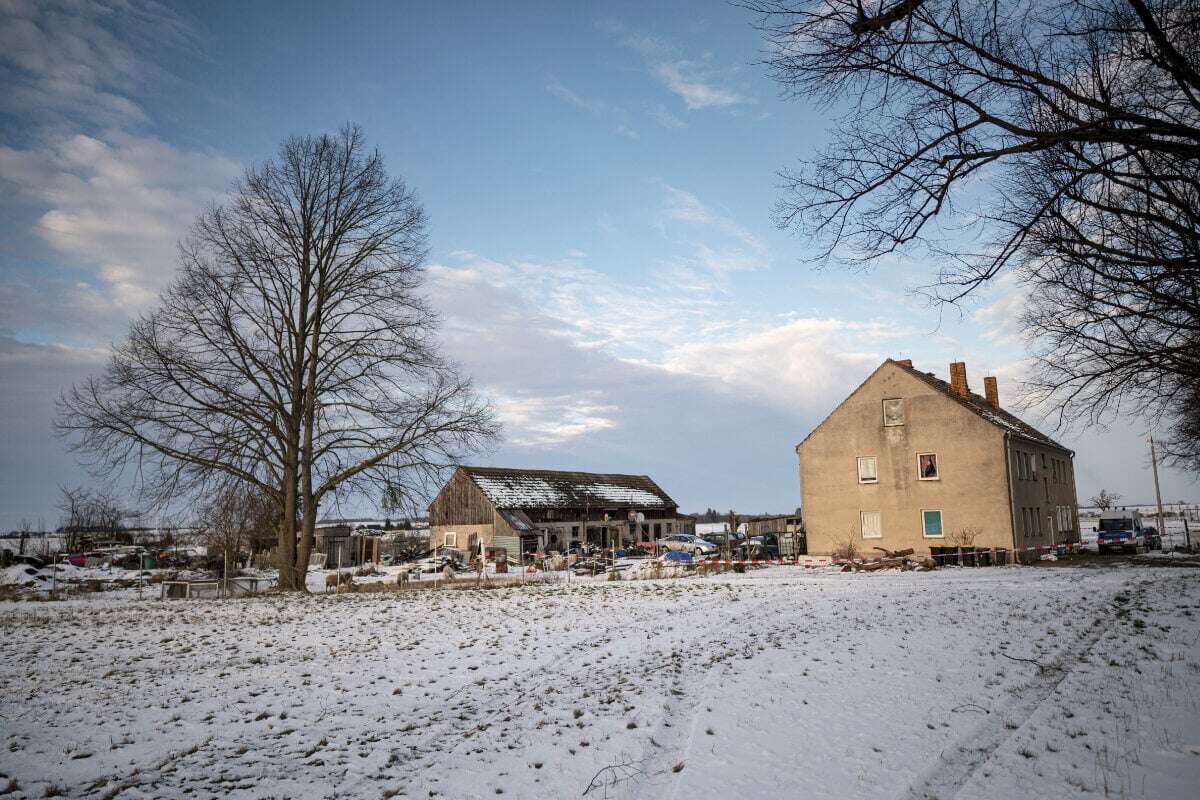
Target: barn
{"points": [[531, 510]]}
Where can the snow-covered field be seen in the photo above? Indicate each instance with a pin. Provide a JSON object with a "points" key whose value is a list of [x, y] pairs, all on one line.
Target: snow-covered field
{"points": [[990, 683]]}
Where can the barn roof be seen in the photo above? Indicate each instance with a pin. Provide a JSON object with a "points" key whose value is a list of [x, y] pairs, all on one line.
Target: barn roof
{"points": [[543, 488]]}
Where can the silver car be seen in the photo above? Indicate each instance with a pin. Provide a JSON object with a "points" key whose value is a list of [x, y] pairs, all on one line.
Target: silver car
{"points": [[687, 543]]}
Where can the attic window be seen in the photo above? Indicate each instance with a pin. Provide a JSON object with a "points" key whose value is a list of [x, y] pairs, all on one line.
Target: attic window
{"points": [[866, 470], [893, 413]]}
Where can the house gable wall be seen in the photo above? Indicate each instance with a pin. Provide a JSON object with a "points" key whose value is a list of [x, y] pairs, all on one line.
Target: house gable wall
{"points": [[971, 490]]}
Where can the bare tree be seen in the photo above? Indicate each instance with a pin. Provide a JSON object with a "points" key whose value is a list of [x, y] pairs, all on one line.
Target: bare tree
{"points": [[234, 517], [1057, 139], [294, 353], [1105, 500], [89, 511], [964, 539], [26, 528]]}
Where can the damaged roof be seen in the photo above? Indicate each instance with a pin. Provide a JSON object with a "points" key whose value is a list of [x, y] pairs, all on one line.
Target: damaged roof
{"points": [[980, 405], [543, 488]]}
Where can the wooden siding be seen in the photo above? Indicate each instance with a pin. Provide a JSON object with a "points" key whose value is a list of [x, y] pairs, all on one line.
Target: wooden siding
{"points": [[460, 502]]}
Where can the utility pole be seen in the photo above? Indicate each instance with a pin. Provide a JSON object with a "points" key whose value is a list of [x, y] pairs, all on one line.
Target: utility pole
{"points": [[1162, 532]]}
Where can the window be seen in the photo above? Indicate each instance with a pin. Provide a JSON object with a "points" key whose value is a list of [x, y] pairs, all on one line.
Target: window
{"points": [[893, 413], [866, 470], [1032, 467], [574, 531], [927, 466], [450, 539], [869, 520], [668, 527], [931, 524]]}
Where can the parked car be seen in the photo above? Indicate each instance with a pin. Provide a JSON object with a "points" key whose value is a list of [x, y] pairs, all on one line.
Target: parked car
{"points": [[1153, 539], [760, 547], [719, 540], [687, 543]]}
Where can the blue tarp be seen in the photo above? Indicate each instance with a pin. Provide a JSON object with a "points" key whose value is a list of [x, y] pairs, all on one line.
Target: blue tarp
{"points": [[678, 555]]}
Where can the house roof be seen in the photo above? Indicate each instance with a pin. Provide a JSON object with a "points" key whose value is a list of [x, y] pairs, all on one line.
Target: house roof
{"points": [[973, 402], [543, 488], [980, 406]]}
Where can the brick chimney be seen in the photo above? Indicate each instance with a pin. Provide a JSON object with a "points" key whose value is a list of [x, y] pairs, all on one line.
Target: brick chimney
{"points": [[992, 392], [958, 378], [905, 362]]}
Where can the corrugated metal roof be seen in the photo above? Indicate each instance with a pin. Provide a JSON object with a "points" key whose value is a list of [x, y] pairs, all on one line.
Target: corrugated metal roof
{"points": [[541, 488]]}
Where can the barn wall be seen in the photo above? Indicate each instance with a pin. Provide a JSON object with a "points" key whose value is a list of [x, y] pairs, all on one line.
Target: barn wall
{"points": [[460, 502]]}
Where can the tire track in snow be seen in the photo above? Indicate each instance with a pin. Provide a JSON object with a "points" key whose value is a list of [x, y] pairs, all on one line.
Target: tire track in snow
{"points": [[951, 771]]}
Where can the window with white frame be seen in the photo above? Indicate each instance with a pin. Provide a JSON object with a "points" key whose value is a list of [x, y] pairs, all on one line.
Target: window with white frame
{"points": [[450, 539], [869, 523], [893, 413], [866, 470], [927, 466], [931, 524]]}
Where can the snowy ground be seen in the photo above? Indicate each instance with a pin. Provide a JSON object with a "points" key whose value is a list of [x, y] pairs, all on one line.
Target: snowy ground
{"points": [[989, 683]]}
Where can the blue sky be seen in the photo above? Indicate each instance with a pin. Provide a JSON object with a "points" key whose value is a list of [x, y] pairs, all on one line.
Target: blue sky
{"points": [[598, 178]]}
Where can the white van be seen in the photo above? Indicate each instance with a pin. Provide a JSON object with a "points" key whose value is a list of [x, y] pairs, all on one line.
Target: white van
{"points": [[1120, 528]]}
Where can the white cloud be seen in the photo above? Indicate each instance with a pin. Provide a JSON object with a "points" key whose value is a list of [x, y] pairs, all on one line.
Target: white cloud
{"points": [[548, 421], [593, 106], [686, 207], [108, 198], [698, 83], [719, 244], [665, 118], [63, 61], [1000, 317], [115, 206], [695, 92], [802, 364]]}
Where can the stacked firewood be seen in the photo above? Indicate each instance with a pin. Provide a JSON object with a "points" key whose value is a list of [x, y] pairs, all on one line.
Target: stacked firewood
{"points": [[891, 559]]}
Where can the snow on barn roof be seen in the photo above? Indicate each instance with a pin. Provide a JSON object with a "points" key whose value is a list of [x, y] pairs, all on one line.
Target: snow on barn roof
{"points": [[543, 488]]}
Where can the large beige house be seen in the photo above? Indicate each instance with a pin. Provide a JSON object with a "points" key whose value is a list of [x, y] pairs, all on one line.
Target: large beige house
{"points": [[909, 460]]}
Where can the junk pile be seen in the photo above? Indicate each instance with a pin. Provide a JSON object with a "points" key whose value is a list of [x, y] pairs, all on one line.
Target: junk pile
{"points": [[891, 559]]}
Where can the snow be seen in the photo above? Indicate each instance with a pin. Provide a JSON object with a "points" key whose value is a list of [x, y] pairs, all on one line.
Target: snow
{"points": [[775, 683], [534, 492]]}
